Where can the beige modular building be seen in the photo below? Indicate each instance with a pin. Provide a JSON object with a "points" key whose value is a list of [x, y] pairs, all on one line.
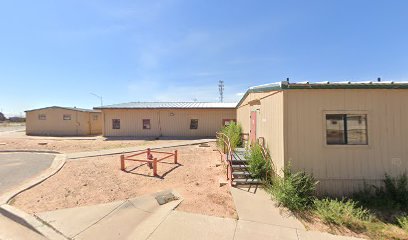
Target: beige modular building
{"points": [[63, 121], [345, 134], [167, 119]]}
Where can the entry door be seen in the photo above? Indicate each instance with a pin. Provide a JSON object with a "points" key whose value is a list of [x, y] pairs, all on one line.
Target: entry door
{"points": [[253, 127]]}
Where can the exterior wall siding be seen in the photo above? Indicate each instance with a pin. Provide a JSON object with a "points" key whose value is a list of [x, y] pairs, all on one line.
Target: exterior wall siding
{"points": [[81, 123], [270, 122], [165, 122], [342, 169]]}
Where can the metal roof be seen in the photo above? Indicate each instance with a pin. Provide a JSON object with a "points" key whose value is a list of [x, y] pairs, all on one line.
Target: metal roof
{"points": [[285, 85], [174, 105], [67, 108]]}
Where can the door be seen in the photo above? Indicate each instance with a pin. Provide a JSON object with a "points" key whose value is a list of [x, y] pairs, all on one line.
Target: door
{"points": [[252, 132]]}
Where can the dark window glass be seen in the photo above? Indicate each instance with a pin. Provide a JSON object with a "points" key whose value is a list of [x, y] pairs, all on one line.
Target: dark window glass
{"points": [[194, 124], [42, 117], [146, 123], [115, 123], [348, 129]]}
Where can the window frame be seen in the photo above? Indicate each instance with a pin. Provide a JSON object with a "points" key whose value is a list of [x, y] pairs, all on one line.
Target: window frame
{"points": [[65, 115], [40, 116], [113, 124], [143, 124], [225, 120], [350, 112], [95, 117], [191, 121]]}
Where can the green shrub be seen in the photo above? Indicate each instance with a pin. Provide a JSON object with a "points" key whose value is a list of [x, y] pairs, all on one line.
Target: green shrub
{"points": [[233, 132], [403, 222], [343, 213], [257, 165], [295, 191], [392, 196], [396, 189]]}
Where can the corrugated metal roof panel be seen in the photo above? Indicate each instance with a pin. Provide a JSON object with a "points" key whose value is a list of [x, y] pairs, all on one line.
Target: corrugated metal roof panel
{"points": [[68, 108], [147, 105]]}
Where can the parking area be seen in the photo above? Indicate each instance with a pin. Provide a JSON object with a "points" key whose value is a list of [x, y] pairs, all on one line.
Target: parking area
{"points": [[16, 168]]}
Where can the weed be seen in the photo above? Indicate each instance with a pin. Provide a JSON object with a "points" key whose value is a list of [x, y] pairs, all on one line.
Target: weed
{"points": [[403, 222], [296, 191], [258, 166], [343, 213]]}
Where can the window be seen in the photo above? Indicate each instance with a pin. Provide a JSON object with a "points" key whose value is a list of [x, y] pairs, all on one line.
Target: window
{"points": [[95, 117], [115, 123], [194, 124], [146, 123], [226, 122], [346, 129], [66, 117], [42, 117]]}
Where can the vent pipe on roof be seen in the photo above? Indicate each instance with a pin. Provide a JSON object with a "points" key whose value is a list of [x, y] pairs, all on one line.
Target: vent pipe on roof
{"points": [[379, 79]]}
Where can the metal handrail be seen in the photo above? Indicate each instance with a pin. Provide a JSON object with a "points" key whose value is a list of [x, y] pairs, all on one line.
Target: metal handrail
{"points": [[267, 156], [227, 142]]}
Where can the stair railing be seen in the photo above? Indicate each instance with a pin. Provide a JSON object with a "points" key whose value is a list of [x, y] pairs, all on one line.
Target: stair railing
{"points": [[266, 155], [229, 154]]}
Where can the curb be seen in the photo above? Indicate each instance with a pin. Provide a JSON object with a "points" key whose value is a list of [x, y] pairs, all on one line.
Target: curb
{"points": [[130, 151], [46, 231], [56, 165], [29, 151]]}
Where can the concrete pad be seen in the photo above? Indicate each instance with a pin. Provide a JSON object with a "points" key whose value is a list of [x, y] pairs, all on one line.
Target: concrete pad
{"points": [[259, 207], [181, 225], [10, 229], [117, 225], [313, 235], [72, 221], [30, 221], [260, 231], [150, 224]]}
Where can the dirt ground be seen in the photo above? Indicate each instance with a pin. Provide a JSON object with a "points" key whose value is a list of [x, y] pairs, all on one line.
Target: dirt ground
{"points": [[99, 180], [19, 141]]}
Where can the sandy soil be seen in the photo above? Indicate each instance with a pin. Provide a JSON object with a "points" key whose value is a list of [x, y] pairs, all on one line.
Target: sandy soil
{"points": [[99, 180], [19, 141]]}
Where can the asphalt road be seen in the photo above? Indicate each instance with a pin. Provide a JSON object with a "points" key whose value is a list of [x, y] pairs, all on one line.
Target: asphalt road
{"points": [[16, 168]]}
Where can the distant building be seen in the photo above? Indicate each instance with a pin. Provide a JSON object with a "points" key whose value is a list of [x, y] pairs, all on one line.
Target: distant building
{"points": [[63, 121], [2, 117], [345, 134], [170, 119]]}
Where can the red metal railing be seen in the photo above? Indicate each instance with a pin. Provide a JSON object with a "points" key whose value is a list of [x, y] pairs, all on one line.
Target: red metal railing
{"points": [[150, 160]]}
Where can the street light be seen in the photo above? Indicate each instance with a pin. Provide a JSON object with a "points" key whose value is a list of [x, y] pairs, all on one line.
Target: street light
{"points": [[100, 97]]}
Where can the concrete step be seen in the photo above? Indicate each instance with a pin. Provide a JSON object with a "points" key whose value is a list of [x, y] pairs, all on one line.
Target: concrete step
{"points": [[240, 150], [246, 181], [241, 174], [239, 166]]}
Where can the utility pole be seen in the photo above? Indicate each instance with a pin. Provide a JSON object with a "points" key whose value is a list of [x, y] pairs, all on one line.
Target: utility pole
{"points": [[221, 90], [100, 97]]}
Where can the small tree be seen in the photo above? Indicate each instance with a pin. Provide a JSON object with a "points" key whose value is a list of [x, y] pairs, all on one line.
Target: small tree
{"points": [[233, 132]]}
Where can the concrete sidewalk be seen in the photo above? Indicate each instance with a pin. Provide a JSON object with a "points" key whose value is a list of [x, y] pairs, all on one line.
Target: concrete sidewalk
{"points": [[137, 148], [135, 218]]}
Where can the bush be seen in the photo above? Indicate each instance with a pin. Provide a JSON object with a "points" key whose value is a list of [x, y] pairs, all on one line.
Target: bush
{"points": [[396, 189], [403, 222], [342, 213], [295, 191], [233, 132], [257, 165], [392, 196]]}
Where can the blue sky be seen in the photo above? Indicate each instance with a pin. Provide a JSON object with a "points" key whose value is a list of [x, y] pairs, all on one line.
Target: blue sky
{"points": [[57, 52]]}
